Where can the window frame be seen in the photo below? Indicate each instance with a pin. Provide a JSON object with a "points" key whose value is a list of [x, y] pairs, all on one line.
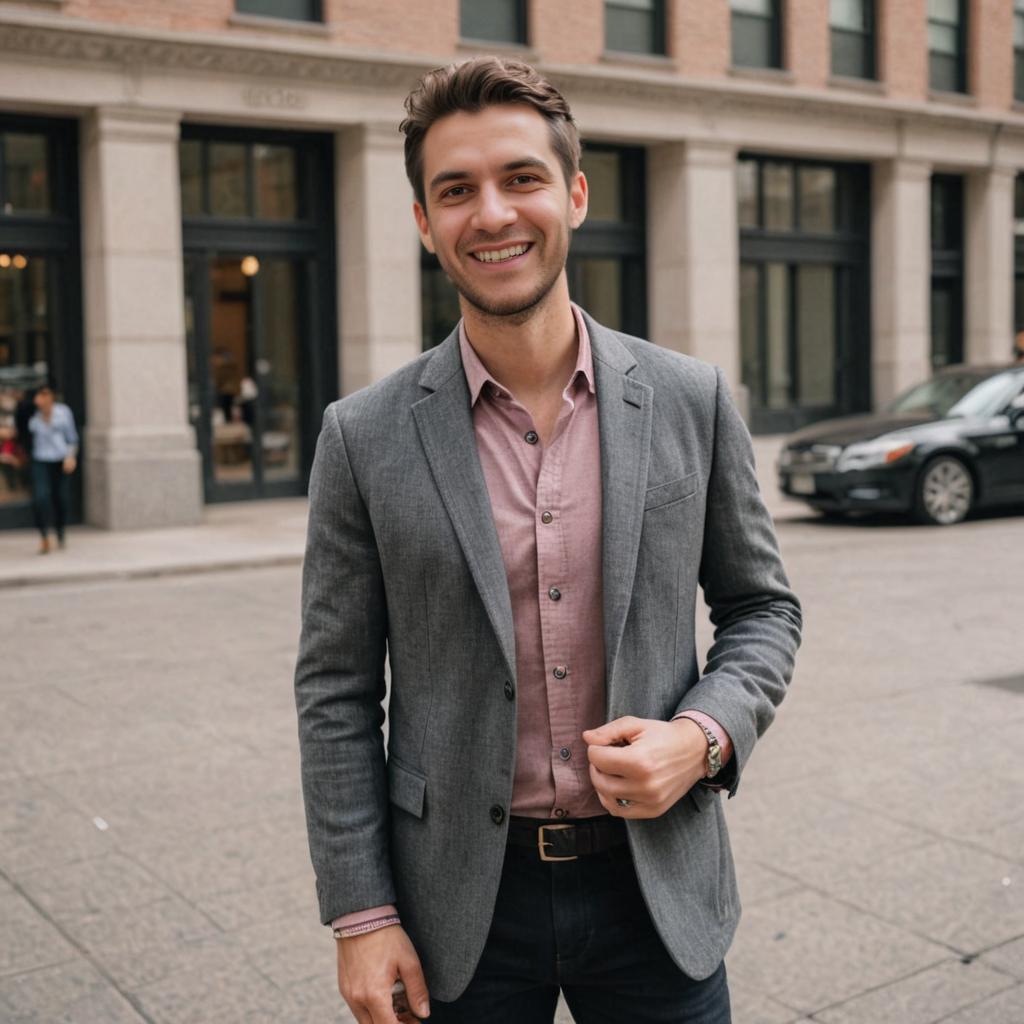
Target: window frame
{"points": [[316, 16], [870, 36], [961, 54], [659, 15], [522, 26], [775, 61], [1018, 51]]}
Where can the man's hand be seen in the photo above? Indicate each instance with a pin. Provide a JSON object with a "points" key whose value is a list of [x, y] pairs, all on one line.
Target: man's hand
{"points": [[369, 965], [648, 762], [69, 464]]}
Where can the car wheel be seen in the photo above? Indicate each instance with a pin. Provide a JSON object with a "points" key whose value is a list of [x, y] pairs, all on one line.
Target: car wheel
{"points": [[945, 492]]}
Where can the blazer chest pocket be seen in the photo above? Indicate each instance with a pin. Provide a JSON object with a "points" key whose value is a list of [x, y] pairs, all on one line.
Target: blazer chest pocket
{"points": [[406, 788], [671, 492]]}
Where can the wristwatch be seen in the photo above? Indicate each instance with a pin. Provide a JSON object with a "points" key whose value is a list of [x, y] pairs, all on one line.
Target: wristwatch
{"points": [[713, 761]]}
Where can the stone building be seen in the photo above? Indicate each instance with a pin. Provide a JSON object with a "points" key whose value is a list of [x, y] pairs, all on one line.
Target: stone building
{"points": [[205, 228]]}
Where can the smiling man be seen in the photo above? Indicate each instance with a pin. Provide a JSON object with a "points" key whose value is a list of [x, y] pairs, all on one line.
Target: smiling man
{"points": [[520, 521]]}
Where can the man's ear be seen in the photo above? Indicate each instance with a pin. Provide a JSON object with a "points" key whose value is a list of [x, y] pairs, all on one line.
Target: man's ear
{"points": [[579, 197], [422, 226]]}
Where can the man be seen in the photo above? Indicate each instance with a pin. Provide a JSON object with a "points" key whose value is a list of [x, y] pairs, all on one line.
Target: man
{"points": [[520, 520]]}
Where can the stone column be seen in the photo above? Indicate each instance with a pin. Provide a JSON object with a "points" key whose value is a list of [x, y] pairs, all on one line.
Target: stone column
{"points": [[988, 257], [900, 276], [693, 254], [378, 256], [142, 467]]}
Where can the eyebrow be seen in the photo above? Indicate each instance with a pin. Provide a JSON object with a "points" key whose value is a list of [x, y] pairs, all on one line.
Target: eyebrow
{"points": [[443, 177]]}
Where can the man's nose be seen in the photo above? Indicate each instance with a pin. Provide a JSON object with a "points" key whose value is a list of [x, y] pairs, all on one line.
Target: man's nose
{"points": [[494, 211]]}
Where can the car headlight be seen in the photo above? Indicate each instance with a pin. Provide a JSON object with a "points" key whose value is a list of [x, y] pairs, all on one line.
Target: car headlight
{"points": [[869, 454]]}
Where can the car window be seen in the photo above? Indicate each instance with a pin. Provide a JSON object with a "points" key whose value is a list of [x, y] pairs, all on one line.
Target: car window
{"points": [[938, 395], [989, 397]]}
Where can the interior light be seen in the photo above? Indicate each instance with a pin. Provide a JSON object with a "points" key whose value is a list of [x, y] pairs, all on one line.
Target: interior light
{"points": [[5, 260], [250, 266], [20, 263]]}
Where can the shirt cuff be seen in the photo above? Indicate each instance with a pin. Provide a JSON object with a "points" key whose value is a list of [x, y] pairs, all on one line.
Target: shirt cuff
{"points": [[362, 921], [709, 723]]}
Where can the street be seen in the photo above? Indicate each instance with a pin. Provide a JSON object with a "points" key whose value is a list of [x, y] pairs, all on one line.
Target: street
{"points": [[153, 861]]}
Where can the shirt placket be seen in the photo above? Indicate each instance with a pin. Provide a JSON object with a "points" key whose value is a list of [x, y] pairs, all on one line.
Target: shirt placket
{"points": [[556, 599]]}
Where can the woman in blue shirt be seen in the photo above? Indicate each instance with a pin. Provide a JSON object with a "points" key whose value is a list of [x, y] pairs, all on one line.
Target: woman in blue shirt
{"points": [[54, 453]]}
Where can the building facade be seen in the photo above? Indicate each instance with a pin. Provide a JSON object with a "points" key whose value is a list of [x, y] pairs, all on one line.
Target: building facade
{"points": [[205, 227]]}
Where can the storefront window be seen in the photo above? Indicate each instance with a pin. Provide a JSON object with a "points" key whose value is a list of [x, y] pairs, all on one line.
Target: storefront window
{"points": [[26, 174]]}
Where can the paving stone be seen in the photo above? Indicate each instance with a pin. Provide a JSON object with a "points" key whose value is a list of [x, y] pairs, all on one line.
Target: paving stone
{"points": [[263, 903], [100, 885], [808, 951], [40, 830], [922, 998], [751, 1007], [27, 939], [1005, 1008], [68, 993], [949, 893], [758, 883], [1008, 957], [289, 951]]}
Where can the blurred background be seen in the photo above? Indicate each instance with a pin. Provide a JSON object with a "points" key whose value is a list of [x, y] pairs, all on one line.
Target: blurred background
{"points": [[206, 236]]}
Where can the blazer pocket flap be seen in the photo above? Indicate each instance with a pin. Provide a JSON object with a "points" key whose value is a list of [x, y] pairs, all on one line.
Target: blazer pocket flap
{"points": [[406, 788], [674, 490]]}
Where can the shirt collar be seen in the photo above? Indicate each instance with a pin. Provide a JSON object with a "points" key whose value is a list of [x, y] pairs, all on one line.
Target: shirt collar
{"points": [[477, 375]]}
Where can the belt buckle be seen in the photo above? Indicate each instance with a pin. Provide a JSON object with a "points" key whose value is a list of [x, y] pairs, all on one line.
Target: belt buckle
{"points": [[542, 842]]}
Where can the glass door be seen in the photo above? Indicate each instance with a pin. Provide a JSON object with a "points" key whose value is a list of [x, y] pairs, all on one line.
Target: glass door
{"points": [[244, 317]]}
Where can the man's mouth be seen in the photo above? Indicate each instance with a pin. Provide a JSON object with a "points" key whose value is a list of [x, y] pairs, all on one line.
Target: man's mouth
{"points": [[501, 255]]}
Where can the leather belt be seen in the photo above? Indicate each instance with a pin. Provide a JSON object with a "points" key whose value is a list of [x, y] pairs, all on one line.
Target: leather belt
{"points": [[567, 840]]}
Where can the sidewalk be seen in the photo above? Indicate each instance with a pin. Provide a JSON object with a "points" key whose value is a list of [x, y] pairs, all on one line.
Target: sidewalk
{"points": [[231, 536]]}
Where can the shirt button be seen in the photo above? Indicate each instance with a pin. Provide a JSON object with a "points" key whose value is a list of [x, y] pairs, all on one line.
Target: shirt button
{"points": [[546, 517], [531, 437], [497, 814], [560, 812], [555, 594], [560, 672], [509, 690], [565, 753]]}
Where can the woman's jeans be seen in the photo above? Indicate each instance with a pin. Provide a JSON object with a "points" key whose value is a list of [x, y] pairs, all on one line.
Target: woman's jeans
{"points": [[580, 926], [49, 494]]}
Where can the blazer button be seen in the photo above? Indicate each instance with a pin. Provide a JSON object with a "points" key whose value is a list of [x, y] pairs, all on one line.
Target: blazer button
{"points": [[509, 690], [497, 814]]}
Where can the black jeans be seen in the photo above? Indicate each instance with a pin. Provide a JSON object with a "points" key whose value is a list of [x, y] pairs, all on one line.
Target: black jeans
{"points": [[49, 492], [580, 926]]}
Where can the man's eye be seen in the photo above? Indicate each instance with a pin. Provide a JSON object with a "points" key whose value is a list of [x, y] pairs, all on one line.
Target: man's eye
{"points": [[523, 179], [455, 192]]}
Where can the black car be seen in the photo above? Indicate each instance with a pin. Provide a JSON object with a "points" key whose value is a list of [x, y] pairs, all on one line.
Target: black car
{"points": [[950, 445]]}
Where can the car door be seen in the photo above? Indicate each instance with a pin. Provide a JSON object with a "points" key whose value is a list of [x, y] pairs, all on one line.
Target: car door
{"points": [[1000, 457]]}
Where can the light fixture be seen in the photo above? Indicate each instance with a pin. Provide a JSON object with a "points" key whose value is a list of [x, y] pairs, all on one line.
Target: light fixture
{"points": [[20, 263], [250, 266], [5, 261]]}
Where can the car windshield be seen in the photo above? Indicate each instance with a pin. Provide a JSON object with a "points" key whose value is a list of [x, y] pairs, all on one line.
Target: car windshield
{"points": [[956, 394]]}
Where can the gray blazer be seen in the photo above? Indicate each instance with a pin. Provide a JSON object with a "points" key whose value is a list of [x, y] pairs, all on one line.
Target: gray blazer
{"points": [[402, 558]]}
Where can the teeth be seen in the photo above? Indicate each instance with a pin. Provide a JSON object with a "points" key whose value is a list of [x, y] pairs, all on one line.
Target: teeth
{"points": [[497, 255]]}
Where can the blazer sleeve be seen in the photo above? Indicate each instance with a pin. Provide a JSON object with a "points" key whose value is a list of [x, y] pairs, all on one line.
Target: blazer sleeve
{"points": [[340, 688], [757, 617]]}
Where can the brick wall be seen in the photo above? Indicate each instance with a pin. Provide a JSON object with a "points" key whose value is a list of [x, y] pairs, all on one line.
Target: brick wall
{"points": [[903, 47], [567, 32], [806, 44], [699, 37], [990, 52]]}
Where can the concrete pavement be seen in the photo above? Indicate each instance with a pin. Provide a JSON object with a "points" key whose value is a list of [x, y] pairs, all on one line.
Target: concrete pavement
{"points": [[152, 851]]}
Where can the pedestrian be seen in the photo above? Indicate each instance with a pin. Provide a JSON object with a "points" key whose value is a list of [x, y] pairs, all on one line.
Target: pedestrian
{"points": [[519, 520], [1018, 347], [54, 457]]}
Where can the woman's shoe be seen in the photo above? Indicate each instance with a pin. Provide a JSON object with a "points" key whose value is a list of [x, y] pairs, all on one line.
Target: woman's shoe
{"points": [[44, 546]]}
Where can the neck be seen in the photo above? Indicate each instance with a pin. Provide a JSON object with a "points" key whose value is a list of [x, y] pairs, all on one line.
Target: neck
{"points": [[530, 353]]}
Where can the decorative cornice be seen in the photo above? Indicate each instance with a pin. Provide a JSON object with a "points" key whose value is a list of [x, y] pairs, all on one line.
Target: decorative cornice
{"points": [[284, 61]]}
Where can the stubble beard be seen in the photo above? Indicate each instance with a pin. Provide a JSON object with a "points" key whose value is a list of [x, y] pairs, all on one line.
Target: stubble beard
{"points": [[515, 310]]}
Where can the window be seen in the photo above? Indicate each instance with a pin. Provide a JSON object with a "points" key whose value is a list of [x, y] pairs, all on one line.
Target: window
{"points": [[1018, 49], [221, 178], [634, 26], [804, 334], [947, 286], [497, 21], [756, 35], [296, 10], [853, 38], [947, 35]]}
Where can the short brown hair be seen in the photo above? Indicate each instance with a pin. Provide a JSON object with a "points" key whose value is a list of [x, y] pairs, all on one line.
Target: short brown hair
{"points": [[478, 83]]}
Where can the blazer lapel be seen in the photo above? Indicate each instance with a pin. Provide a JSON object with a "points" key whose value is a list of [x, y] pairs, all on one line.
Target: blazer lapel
{"points": [[624, 412], [445, 424]]}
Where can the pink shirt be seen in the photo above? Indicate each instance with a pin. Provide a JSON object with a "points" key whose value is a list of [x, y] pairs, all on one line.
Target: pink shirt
{"points": [[546, 502]]}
